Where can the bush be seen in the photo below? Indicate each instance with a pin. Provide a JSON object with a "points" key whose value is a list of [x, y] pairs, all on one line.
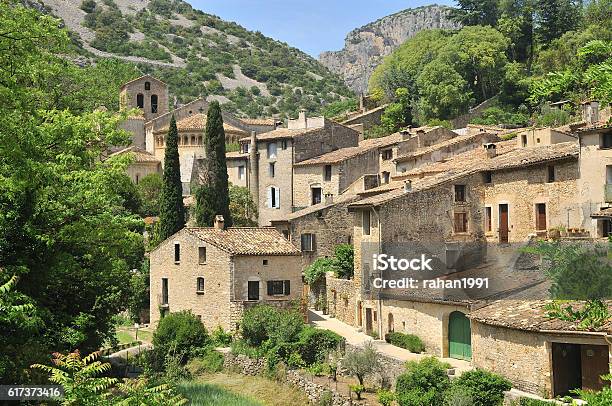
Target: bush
{"points": [[220, 338], [602, 398], [486, 388], [88, 6], [358, 389], [458, 396], [211, 361], [179, 333], [534, 402], [262, 323], [408, 341], [315, 344], [423, 381], [385, 397]]}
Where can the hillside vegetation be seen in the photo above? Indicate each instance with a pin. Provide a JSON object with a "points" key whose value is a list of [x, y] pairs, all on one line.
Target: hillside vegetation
{"points": [[199, 54], [529, 53]]}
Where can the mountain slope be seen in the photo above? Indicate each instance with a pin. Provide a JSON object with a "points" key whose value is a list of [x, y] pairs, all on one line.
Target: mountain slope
{"points": [[365, 47], [199, 54]]}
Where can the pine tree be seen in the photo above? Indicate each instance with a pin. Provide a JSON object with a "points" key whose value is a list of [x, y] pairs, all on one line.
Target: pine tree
{"points": [[172, 211], [212, 198]]}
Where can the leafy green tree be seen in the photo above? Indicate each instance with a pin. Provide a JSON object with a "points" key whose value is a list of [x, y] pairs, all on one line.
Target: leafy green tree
{"points": [[139, 291], [444, 93], [485, 388], [242, 207], [361, 362], [555, 17], [476, 12], [150, 188], [212, 198], [343, 261], [140, 392], [315, 272], [172, 211], [81, 378], [399, 113], [178, 334], [423, 383]]}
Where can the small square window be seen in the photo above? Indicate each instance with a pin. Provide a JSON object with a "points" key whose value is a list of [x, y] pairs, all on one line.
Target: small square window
{"points": [[460, 193], [387, 154], [265, 262], [327, 175], [461, 221], [308, 242], [200, 285], [606, 141], [488, 177], [551, 174]]}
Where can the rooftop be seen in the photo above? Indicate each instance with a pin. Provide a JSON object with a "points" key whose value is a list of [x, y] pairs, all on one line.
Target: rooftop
{"points": [[246, 240], [140, 155], [343, 198], [197, 122], [259, 121], [147, 76], [508, 156], [236, 155], [438, 146], [343, 154], [528, 315]]}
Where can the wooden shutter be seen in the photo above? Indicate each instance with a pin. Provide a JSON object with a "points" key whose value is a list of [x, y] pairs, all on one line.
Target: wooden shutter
{"points": [[287, 289], [270, 288], [269, 198], [277, 191]]}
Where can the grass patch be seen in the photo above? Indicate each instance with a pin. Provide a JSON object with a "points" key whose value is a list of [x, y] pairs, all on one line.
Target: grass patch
{"points": [[265, 391], [207, 394], [124, 337]]}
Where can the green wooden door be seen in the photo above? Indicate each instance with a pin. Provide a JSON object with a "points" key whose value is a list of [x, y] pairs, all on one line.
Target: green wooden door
{"points": [[459, 336]]}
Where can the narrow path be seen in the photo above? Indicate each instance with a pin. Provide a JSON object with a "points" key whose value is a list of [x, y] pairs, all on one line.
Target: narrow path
{"points": [[132, 351], [355, 337]]}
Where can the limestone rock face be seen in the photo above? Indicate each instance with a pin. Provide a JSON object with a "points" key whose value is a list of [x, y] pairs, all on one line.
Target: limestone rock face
{"points": [[365, 47]]}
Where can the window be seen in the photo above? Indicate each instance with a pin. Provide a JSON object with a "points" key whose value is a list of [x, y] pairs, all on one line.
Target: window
{"points": [[177, 252], [387, 154], [140, 100], [327, 173], [202, 255], [606, 140], [200, 285], [461, 222], [286, 234], [147, 85], [460, 193], [271, 169], [386, 176], [244, 148], [488, 177], [199, 140], [265, 262], [164, 295], [273, 197], [137, 178], [308, 242], [488, 219], [153, 103], [253, 290], [538, 140], [279, 288], [284, 144], [524, 140], [609, 174], [541, 216], [272, 150], [241, 172], [365, 222], [551, 174], [316, 195]]}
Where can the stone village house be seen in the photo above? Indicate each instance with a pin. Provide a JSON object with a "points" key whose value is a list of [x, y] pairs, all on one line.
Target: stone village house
{"points": [[217, 273]]}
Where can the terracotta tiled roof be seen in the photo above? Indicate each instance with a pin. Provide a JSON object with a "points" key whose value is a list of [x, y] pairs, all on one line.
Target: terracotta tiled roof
{"points": [[259, 121], [139, 154], [603, 213], [236, 155], [527, 315], [341, 199], [281, 133], [246, 240], [343, 154], [441, 145], [197, 122], [508, 156]]}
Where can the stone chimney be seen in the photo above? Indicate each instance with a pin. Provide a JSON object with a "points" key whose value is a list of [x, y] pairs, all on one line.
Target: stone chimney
{"points": [[219, 222], [303, 121], [407, 185], [405, 134], [590, 112], [491, 149], [329, 198]]}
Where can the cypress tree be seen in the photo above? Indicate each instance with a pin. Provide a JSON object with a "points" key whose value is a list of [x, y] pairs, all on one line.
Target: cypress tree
{"points": [[172, 211], [212, 198]]}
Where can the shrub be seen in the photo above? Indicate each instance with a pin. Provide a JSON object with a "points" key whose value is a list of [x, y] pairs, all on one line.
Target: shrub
{"points": [[361, 362], [423, 381], [408, 341], [385, 397], [358, 389], [88, 6], [342, 261], [534, 402], [220, 338], [326, 399], [458, 396], [262, 323], [315, 344], [295, 361], [316, 271], [486, 388], [179, 333], [602, 398], [211, 361]]}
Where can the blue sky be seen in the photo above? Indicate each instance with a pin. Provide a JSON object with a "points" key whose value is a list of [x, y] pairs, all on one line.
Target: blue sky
{"points": [[312, 26]]}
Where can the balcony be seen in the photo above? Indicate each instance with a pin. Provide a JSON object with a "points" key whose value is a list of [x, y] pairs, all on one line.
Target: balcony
{"points": [[608, 193]]}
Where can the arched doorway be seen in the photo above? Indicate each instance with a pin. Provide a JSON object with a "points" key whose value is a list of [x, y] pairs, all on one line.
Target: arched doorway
{"points": [[391, 328], [459, 336]]}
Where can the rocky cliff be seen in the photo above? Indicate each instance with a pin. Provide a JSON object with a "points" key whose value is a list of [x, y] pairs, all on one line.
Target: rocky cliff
{"points": [[366, 46]]}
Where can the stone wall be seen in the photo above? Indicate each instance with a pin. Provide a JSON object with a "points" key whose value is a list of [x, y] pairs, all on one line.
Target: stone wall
{"points": [[476, 111], [331, 137], [368, 119], [282, 179], [342, 299]]}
